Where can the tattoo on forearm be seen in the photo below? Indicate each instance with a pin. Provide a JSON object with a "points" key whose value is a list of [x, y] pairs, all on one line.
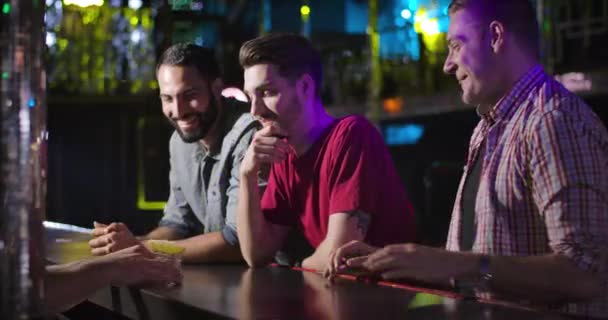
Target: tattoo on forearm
{"points": [[363, 220]]}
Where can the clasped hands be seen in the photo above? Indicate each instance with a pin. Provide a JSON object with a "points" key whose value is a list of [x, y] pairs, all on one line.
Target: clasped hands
{"points": [[397, 261]]}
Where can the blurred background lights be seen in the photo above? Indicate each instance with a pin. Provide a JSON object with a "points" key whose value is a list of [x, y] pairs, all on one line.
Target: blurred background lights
{"points": [[51, 39], [135, 4], [430, 27], [305, 10], [137, 35], [406, 14], [83, 3]]}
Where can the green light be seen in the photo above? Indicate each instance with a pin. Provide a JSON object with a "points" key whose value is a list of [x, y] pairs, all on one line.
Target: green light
{"points": [[305, 10], [4, 75], [425, 299], [6, 8], [83, 3], [142, 202], [134, 21]]}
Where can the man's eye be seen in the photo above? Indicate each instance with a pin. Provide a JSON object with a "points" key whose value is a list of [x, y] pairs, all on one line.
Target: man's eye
{"points": [[268, 93]]}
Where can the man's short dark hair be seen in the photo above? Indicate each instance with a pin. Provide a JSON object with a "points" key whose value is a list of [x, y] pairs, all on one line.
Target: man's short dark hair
{"points": [[518, 16], [292, 54], [191, 55]]}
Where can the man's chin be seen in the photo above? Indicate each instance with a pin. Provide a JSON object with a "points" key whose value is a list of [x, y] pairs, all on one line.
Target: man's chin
{"points": [[190, 137], [468, 99]]}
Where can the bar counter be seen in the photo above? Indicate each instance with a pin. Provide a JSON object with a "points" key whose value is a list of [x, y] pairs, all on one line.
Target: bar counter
{"points": [[238, 292]]}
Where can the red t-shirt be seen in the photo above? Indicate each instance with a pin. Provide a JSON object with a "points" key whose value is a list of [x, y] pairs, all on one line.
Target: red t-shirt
{"points": [[348, 168]]}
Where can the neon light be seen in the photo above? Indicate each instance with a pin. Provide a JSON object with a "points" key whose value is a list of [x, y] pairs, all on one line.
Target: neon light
{"points": [[6, 8], [422, 299], [31, 103], [142, 203], [4, 75], [403, 134], [83, 3]]}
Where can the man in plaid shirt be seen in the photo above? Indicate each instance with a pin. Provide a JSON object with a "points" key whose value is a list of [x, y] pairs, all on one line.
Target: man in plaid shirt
{"points": [[530, 221]]}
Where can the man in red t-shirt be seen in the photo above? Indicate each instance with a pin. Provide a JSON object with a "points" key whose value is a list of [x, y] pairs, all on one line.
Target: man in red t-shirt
{"points": [[333, 179]]}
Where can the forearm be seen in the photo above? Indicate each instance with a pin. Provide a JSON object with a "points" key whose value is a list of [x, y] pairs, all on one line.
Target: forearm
{"points": [[254, 232], [544, 279], [69, 284], [161, 233], [342, 228], [209, 248]]}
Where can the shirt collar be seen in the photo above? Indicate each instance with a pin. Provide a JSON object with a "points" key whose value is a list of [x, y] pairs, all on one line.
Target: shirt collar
{"points": [[509, 103]]}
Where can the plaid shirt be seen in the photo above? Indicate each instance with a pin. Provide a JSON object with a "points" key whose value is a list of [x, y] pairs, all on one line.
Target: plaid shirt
{"points": [[544, 181]]}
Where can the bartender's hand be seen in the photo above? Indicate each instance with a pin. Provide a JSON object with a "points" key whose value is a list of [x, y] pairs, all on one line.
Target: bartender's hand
{"points": [[412, 261], [268, 146], [137, 266], [111, 238], [353, 249]]}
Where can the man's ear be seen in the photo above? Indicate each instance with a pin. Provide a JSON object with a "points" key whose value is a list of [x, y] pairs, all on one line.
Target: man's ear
{"points": [[497, 36], [305, 87]]}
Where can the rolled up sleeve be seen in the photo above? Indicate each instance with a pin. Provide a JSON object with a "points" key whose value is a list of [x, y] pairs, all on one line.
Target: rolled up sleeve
{"points": [[570, 182], [232, 192]]}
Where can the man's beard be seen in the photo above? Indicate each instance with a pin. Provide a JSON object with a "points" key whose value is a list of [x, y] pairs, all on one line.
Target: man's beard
{"points": [[205, 121]]}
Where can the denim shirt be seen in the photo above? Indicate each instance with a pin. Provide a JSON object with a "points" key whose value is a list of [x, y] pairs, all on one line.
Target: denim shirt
{"points": [[194, 208]]}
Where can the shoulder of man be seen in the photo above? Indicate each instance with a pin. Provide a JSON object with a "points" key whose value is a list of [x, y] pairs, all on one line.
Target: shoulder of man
{"points": [[355, 125], [243, 127]]}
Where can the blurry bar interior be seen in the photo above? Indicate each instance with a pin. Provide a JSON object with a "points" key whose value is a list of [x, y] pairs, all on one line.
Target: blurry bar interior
{"points": [[108, 140]]}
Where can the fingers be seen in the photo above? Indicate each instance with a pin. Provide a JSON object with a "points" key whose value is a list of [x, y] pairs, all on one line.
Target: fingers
{"points": [[135, 266], [104, 250], [341, 253], [273, 130], [269, 153], [339, 258], [268, 148], [112, 240], [102, 229], [99, 229], [356, 262], [388, 258], [100, 241], [384, 263], [117, 227], [396, 274], [330, 270], [98, 225], [352, 249], [163, 272]]}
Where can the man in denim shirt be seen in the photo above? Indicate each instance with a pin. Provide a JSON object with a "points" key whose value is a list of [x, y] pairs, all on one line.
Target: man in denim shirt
{"points": [[211, 136]]}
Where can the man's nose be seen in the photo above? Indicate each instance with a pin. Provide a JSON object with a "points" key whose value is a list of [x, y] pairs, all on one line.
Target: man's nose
{"points": [[449, 67], [179, 108], [257, 106]]}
